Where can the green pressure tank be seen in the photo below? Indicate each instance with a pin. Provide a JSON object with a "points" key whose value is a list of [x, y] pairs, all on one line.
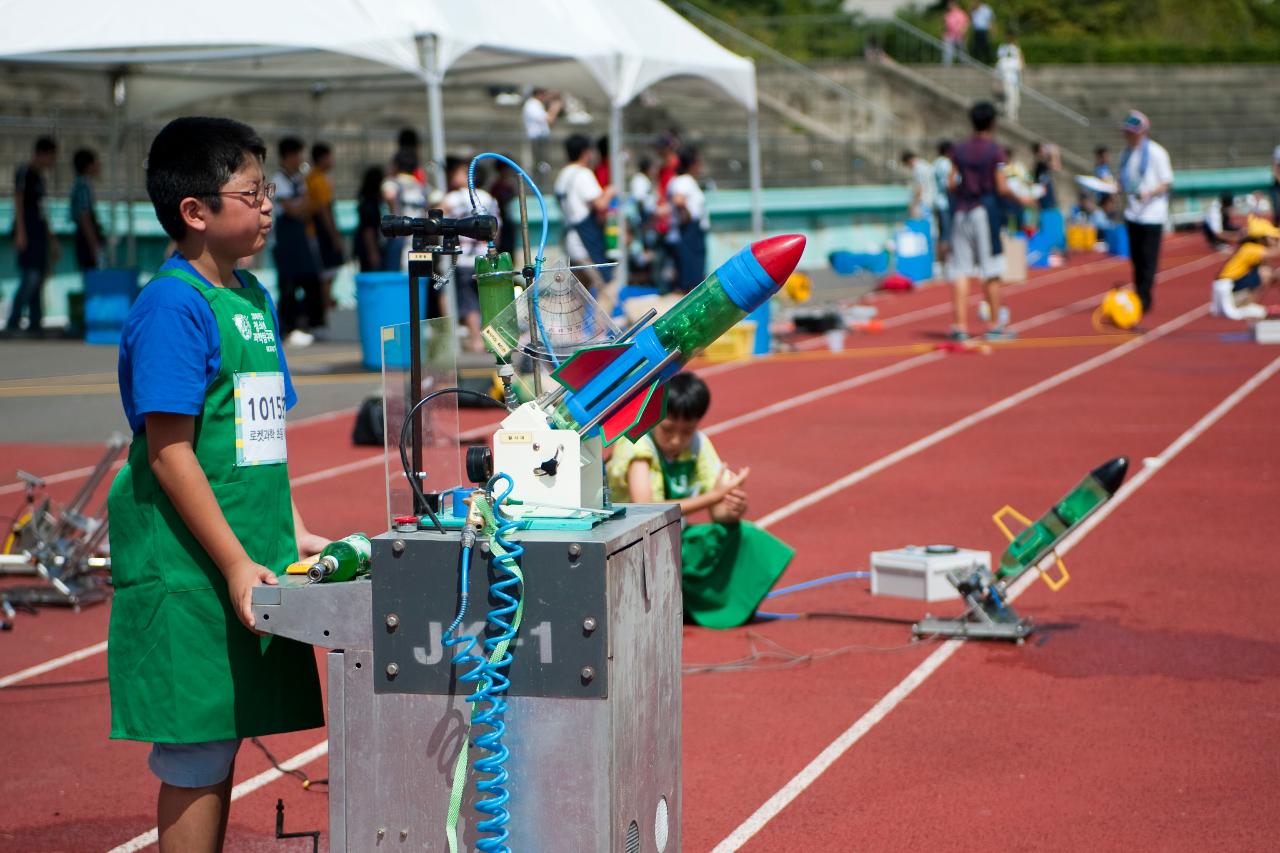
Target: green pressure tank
{"points": [[1031, 545]]}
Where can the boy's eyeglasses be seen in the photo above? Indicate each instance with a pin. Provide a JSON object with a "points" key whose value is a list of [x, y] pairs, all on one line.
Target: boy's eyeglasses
{"points": [[253, 197]]}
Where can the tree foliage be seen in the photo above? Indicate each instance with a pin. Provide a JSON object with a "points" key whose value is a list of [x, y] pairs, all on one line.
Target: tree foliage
{"points": [[1146, 31]]}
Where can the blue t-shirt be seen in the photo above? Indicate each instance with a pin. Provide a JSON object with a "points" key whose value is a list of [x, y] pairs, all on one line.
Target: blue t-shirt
{"points": [[170, 349]]}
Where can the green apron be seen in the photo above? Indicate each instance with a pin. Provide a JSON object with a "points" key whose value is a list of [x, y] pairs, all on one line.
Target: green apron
{"points": [[726, 569], [183, 669]]}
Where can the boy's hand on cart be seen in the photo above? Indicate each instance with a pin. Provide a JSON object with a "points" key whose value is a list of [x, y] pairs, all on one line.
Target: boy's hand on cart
{"points": [[310, 543], [241, 580]]}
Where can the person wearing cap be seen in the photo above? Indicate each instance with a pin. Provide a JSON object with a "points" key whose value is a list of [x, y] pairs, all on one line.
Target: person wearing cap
{"points": [[1146, 176], [1247, 273]]}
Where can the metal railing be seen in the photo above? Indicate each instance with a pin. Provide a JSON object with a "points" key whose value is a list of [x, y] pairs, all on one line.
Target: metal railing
{"points": [[761, 52], [965, 58]]}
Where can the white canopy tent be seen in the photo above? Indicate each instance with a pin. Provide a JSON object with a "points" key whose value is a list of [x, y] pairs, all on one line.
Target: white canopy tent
{"points": [[160, 54]]}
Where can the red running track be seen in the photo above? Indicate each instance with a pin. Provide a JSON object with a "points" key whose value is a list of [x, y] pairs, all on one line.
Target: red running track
{"points": [[1140, 718]]}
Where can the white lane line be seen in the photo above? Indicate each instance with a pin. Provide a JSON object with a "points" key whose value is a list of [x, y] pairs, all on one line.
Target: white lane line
{"points": [[77, 473], [246, 787], [1096, 299], [42, 668], [825, 391], [62, 476], [806, 777], [927, 311], [922, 444]]}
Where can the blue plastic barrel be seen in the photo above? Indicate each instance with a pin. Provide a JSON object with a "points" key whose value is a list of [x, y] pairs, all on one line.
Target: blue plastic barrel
{"points": [[108, 295], [1054, 228], [1118, 240], [382, 299], [914, 244]]}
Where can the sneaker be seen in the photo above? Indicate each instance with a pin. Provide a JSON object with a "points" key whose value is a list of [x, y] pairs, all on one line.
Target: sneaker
{"points": [[958, 335], [1002, 316], [1000, 333], [299, 338], [984, 311]]}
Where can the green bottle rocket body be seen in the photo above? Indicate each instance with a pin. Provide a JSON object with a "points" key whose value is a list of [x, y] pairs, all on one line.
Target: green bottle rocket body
{"points": [[496, 285], [1031, 545], [702, 316], [343, 560]]}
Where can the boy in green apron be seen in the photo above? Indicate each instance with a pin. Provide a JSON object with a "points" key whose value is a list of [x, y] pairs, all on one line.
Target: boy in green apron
{"points": [[728, 565], [201, 513]]}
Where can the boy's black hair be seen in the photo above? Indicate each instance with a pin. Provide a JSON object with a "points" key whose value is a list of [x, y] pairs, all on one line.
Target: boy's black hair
{"points": [[688, 156], [289, 145], [1100, 150], [371, 183], [688, 397], [907, 156], [1227, 200], [982, 116], [575, 146], [193, 157], [320, 150], [644, 164], [45, 145], [944, 148], [452, 162], [407, 138], [405, 161], [602, 145], [82, 160]]}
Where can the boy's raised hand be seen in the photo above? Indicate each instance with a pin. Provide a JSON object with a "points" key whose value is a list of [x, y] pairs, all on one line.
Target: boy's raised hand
{"points": [[733, 503], [241, 579]]}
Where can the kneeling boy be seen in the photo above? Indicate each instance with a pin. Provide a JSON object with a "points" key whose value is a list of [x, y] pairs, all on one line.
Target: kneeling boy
{"points": [[1247, 273], [730, 564]]}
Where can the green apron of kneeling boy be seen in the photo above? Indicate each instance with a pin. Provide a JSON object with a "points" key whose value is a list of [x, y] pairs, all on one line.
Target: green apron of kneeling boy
{"points": [[727, 569]]}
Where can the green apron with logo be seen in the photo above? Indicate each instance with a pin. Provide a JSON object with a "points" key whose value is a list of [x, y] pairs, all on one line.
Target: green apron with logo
{"points": [[183, 669], [726, 569]]}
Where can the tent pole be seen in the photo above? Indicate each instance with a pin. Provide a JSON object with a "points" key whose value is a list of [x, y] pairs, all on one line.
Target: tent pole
{"points": [[429, 56], [115, 84], [618, 177], [753, 166], [131, 231]]}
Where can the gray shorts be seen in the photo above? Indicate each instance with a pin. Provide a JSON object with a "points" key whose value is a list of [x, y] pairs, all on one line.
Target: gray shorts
{"points": [[971, 246], [193, 765]]}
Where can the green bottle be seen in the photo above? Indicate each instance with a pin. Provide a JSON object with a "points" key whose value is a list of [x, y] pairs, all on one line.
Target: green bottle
{"points": [[495, 284], [343, 560], [1031, 545]]}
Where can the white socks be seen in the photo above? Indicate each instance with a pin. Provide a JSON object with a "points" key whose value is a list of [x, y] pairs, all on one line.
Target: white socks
{"points": [[1224, 303]]}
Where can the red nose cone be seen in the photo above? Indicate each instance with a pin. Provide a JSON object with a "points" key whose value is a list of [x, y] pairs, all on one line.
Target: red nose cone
{"points": [[779, 255]]}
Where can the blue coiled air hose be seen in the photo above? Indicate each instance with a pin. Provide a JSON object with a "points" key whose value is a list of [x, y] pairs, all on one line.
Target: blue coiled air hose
{"points": [[540, 257]]}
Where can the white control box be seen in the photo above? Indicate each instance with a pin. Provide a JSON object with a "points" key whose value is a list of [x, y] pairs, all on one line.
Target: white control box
{"points": [[920, 572]]}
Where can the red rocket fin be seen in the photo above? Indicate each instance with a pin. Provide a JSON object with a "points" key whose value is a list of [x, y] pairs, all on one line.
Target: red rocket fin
{"points": [[586, 363], [627, 415], [654, 411]]}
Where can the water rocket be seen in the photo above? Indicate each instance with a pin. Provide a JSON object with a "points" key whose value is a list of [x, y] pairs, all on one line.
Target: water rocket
{"points": [[621, 386]]}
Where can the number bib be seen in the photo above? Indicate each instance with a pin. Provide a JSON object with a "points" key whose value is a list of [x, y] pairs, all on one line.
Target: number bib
{"points": [[260, 419]]}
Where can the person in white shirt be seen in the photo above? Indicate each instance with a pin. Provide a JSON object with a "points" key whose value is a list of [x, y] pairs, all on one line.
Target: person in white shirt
{"points": [[583, 205], [456, 204], [920, 185], [404, 195], [539, 112], [1009, 66], [689, 206], [1145, 176]]}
